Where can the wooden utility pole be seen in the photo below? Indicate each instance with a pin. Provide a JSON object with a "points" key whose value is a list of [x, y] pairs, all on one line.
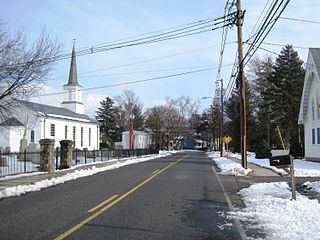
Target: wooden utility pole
{"points": [[221, 118], [243, 120]]}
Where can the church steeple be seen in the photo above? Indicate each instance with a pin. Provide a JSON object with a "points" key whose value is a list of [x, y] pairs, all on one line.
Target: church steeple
{"points": [[73, 76], [73, 91]]}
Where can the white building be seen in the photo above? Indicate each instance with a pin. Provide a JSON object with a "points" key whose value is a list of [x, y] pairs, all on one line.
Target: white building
{"points": [[39, 121], [309, 114], [140, 140]]}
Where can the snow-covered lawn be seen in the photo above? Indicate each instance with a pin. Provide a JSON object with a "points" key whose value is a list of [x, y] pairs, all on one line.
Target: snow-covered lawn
{"points": [[269, 208], [302, 168], [37, 186]]}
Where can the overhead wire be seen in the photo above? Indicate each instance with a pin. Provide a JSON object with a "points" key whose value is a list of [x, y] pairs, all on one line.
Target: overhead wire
{"points": [[272, 15], [199, 27], [137, 81]]}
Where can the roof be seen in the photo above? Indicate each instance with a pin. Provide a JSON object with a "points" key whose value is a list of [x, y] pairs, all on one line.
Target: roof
{"points": [[312, 72], [315, 52], [56, 112], [12, 122], [73, 76]]}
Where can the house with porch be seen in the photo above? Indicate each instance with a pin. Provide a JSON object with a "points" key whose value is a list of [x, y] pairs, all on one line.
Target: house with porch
{"points": [[309, 114]]}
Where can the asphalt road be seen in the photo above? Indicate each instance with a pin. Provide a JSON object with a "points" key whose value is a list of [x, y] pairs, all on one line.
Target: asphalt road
{"points": [[175, 197]]}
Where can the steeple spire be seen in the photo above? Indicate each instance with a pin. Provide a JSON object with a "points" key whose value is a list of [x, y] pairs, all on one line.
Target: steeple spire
{"points": [[73, 77], [73, 91]]}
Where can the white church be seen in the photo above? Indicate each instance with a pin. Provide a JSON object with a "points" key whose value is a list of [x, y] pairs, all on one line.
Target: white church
{"points": [[34, 121], [309, 114]]}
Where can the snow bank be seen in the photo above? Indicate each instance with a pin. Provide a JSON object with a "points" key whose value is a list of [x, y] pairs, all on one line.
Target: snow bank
{"points": [[227, 166], [269, 208], [37, 186]]}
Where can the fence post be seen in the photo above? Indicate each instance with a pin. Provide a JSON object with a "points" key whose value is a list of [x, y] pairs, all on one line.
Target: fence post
{"points": [[57, 156], [76, 155], [66, 147], [25, 160], [46, 155]]}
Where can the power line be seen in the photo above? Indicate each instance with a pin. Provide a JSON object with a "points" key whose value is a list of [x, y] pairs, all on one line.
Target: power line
{"points": [[271, 17], [201, 26], [148, 60], [138, 81], [300, 20]]}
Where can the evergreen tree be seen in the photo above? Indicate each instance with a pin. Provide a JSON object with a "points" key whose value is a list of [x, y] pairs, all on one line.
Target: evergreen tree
{"points": [[281, 98], [233, 128], [108, 117]]}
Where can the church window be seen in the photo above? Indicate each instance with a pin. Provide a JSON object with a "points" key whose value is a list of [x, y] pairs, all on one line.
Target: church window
{"points": [[81, 136], [313, 136], [74, 136], [89, 137], [65, 132], [52, 130], [32, 136]]}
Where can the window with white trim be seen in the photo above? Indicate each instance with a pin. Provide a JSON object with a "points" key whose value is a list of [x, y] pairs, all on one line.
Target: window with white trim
{"points": [[81, 137], [65, 132], [74, 136], [32, 136], [313, 136], [52, 130]]}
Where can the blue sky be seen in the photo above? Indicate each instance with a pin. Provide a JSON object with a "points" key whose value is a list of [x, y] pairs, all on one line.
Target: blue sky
{"points": [[94, 22]]}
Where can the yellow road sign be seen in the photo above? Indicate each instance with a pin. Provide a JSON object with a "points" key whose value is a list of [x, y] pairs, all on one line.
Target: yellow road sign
{"points": [[227, 138]]}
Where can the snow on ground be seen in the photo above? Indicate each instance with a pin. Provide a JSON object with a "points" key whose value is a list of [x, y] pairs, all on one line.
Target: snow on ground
{"points": [[269, 208], [227, 166], [37, 186], [302, 168], [313, 186]]}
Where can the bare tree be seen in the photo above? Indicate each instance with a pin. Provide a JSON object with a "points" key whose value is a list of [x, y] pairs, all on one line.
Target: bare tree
{"points": [[23, 68], [128, 104]]}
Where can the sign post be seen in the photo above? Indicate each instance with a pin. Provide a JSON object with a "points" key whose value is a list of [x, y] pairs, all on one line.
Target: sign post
{"points": [[227, 139]]}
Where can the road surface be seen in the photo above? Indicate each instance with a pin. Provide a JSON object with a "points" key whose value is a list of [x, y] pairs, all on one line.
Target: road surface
{"points": [[174, 197]]}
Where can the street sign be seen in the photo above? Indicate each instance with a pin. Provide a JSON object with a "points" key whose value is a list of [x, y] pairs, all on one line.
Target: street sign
{"points": [[227, 138]]}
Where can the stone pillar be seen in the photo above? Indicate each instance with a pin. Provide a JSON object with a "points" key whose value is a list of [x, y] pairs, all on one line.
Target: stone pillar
{"points": [[66, 147], [47, 155]]}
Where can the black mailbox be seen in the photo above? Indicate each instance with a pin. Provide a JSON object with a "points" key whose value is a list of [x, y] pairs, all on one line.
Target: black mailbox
{"points": [[283, 160]]}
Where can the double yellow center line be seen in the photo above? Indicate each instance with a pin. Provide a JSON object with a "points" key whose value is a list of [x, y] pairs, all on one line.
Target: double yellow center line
{"points": [[114, 200]]}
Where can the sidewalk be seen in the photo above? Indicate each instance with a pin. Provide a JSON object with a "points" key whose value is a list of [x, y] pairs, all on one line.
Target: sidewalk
{"points": [[32, 179]]}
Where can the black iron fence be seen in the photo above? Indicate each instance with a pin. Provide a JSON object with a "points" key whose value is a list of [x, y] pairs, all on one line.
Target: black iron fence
{"points": [[12, 163]]}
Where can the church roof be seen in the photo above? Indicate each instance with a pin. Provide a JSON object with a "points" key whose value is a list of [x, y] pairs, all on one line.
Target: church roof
{"points": [[315, 52], [11, 122], [73, 76], [56, 112], [312, 72]]}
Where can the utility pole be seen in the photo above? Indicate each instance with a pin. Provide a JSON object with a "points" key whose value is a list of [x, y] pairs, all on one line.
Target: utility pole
{"points": [[243, 120], [221, 118]]}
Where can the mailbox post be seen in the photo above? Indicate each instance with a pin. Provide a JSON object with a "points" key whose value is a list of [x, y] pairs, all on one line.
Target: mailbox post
{"points": [[282, 159]]}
